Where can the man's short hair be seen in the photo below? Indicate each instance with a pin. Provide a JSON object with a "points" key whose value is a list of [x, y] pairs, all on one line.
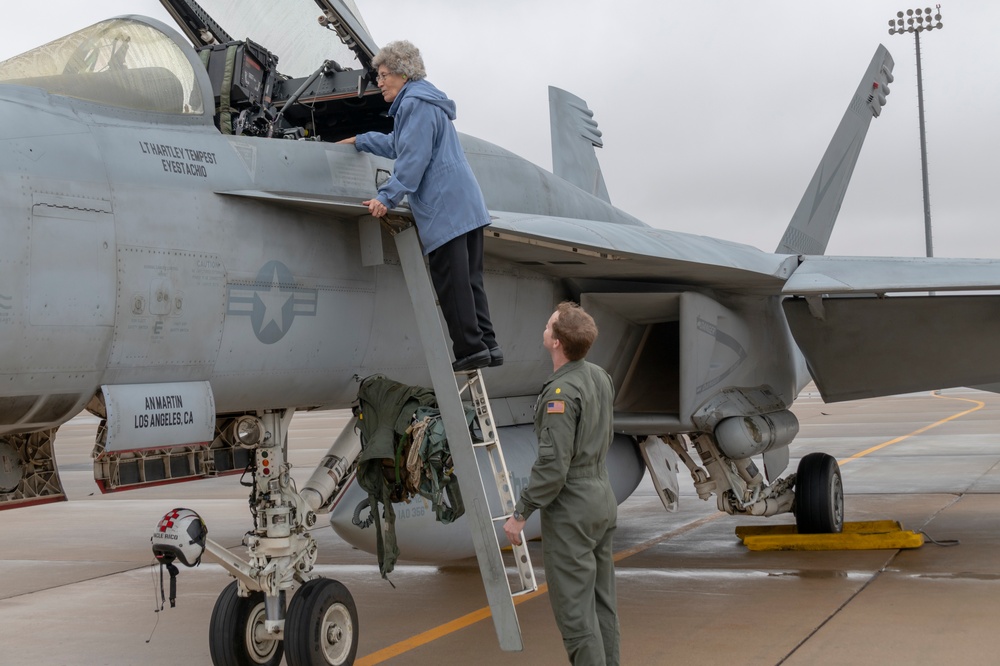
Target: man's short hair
{"points": [[574, 329]]}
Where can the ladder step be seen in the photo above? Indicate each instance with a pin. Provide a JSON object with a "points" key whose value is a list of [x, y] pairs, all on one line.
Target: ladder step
{"points": [[455, 391]]}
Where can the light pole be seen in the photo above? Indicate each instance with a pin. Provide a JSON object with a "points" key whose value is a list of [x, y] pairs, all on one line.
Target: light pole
{"points": [[916, 21]]}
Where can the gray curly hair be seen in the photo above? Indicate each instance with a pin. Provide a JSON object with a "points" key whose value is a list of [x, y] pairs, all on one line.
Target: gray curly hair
{"points": [[401, 57]]}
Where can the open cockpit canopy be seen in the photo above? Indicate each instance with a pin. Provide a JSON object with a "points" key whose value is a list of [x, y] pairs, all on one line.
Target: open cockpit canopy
{"points": [[295, 69], [303, 33], [140, 65], [122, 62]]}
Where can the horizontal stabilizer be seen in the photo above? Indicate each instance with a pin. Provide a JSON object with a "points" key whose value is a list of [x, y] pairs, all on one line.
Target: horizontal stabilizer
{"points": [[882, 275], [866, 347], [812, 223]]}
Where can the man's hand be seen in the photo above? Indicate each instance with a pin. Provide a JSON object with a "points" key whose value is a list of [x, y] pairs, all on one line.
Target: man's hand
{"points": [[376, 207], [513, 528]]}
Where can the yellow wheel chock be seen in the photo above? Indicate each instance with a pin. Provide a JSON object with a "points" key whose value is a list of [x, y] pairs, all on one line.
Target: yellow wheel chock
{"points": [[868, 535]]}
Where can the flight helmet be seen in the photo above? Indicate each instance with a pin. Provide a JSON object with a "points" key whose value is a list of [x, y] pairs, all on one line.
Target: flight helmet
{"points": [[181, 534]]}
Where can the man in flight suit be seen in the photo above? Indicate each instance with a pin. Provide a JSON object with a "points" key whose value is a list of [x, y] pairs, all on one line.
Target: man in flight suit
{"points": [[569, 484]]}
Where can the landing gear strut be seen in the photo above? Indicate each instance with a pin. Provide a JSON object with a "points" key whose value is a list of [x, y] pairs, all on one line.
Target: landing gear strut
{"points": [[819, 495], [817, 499]]}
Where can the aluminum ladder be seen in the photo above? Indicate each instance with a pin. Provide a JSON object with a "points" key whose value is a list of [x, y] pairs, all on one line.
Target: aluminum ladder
{"points": [[491, 445], [449, 398]]}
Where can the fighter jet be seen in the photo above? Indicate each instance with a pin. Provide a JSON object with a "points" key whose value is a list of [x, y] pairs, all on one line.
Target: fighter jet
{"points": [[186, 256]]}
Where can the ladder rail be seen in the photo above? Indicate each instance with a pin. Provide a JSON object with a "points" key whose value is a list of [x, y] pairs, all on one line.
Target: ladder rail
{"points": [[501, 476], [446, 389]]}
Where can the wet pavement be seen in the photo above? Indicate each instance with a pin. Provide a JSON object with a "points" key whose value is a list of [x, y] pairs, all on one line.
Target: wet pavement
{"points": [[77, 585]]}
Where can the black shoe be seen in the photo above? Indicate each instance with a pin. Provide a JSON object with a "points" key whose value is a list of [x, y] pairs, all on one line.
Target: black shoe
{"points": [[496, 357], [472, 361]]}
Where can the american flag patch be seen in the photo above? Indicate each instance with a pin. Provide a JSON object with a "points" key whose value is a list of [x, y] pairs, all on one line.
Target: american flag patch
{"points": [[555, 407]]}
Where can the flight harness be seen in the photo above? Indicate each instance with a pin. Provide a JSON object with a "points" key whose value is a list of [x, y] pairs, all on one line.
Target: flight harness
{"points": [[404, 454]]}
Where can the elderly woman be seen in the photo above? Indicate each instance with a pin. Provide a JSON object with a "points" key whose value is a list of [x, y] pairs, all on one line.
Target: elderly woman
{"points": [[447, 204]]}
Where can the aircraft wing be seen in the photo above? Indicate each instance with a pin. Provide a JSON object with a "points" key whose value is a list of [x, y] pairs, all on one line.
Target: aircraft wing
{"points": [[573, 248], [861, 341], [861, 335]]}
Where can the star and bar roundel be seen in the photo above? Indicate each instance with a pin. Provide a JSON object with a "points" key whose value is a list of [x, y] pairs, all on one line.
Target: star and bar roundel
{"points": [[272, 302]]}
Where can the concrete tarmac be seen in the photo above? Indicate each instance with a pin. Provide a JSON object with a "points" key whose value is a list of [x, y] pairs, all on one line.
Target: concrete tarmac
{"points": [[77, 585]]}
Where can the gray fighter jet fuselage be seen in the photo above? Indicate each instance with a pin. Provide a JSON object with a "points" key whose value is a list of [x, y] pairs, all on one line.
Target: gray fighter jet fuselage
{"points": [[127, 263], [174, 242]]}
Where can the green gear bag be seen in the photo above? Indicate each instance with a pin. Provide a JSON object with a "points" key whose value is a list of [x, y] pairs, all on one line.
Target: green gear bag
{"points": [[404, 453]]}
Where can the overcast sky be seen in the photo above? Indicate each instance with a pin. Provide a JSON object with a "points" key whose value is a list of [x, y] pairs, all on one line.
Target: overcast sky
{"points": [[714, 113]]}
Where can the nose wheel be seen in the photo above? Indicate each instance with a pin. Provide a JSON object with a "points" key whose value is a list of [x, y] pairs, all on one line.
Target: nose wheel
{"points": [[237, 636], [321, 628], [819, 495]]}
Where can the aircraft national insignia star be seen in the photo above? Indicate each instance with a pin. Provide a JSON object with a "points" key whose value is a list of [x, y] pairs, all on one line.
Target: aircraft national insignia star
{"points": [[272, 301]]}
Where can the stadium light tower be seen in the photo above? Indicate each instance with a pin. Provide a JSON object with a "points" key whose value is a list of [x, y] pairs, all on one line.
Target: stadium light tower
{"points": [[916, 21]]}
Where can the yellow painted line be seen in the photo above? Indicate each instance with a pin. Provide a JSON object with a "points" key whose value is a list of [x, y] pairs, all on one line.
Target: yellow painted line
{"points": [[634, 550], [979, 405], [440, 631], [396, 649], [469, 619]]}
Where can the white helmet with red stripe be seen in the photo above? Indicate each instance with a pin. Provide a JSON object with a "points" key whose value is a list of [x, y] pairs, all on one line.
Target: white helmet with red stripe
{"points": [[181, 534]]}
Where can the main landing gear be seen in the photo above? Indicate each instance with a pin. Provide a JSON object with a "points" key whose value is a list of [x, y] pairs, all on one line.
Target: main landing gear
{"points": [[815, 493]]}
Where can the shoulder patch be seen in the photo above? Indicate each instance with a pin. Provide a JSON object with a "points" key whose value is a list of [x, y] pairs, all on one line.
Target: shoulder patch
{"points": [[555, 407]]}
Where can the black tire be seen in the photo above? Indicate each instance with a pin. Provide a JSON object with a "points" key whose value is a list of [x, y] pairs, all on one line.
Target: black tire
{"points": [[819, 495], [322, 625], [231, 634]]}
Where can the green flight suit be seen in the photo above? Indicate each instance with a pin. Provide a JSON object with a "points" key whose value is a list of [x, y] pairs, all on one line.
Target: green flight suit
{"points": [[569, 484]]}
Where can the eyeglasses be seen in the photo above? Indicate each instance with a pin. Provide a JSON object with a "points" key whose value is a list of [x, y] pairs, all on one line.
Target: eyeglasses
{"points": [[382, 77]]}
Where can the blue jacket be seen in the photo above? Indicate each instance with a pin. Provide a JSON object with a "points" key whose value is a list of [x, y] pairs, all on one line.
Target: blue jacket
{"points": [[430, 166]]}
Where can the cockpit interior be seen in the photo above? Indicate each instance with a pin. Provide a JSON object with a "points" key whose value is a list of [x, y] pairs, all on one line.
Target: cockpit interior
{"points": [[129, 63]]}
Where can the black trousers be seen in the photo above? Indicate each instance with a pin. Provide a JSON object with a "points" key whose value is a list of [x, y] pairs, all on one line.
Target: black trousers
{"points": [[457, 273]]}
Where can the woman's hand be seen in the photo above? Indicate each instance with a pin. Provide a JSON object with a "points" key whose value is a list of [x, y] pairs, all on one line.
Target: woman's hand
{"points": [[376, 207], [351, 140]]}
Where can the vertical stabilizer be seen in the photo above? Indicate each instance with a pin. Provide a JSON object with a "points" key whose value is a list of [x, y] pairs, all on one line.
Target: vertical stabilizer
{"points": [[811, 225], [574, 137]]}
